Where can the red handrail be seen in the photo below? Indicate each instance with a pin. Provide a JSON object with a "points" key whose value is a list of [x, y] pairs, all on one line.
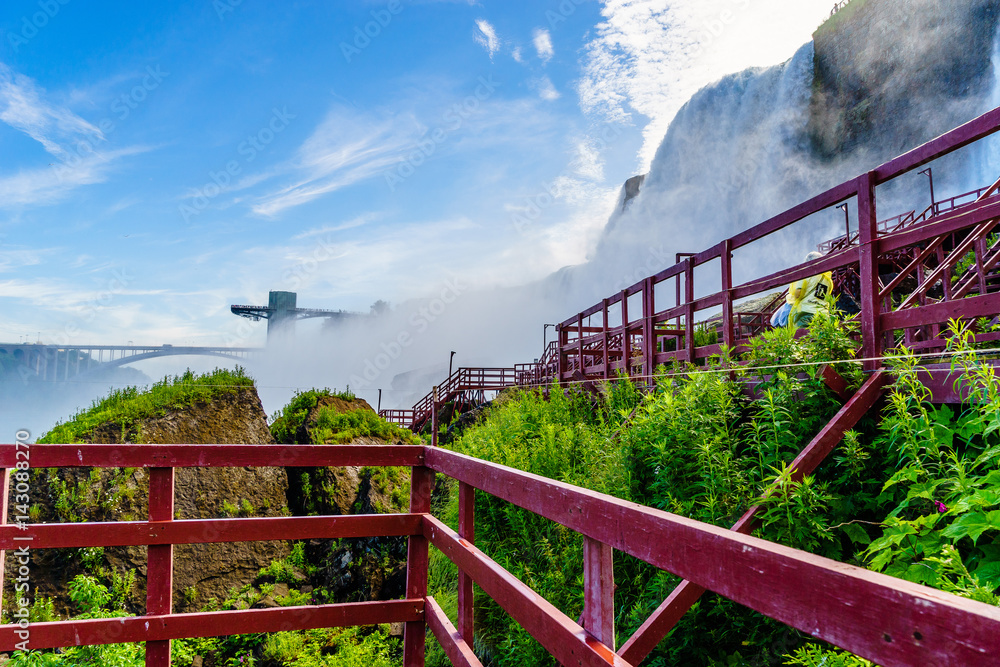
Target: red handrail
{"points": [[887, 620]]}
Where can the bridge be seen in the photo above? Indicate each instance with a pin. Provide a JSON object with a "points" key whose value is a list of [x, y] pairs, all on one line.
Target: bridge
{"points": [[59, 363], [910, 280]]}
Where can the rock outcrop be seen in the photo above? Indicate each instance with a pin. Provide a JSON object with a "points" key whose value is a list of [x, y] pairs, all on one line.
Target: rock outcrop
{"points": [[201, 571], [355, 569]]}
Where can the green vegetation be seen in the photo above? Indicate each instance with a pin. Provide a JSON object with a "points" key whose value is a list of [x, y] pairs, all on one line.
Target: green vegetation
{"points": [[841, 18], [354, 647], [333, 427], [286, 424], [127, 407], [914, 493], [969, 259]]}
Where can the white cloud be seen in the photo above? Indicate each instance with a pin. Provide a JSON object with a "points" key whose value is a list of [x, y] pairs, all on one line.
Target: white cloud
{"points": [[359, 221], [75, 143], [650, 58], [546, 90], [486, 37], [345, 149], [56, 128], [543, 45], [48, 185], [517, 55]]}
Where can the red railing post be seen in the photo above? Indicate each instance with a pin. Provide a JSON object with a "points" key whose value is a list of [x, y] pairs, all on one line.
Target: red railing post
{"points": [[560, 354], [467, 531], [434, 417], [871, 309], [414, 638], [579, 344], [626, 343], [727, 299], [604, 340], [648, 331], [599, 591], [689, 312], [160, 565]]}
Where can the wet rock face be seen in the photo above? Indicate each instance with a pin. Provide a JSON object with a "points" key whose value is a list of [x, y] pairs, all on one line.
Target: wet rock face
{"points": [[201, 571], [887, 70]]}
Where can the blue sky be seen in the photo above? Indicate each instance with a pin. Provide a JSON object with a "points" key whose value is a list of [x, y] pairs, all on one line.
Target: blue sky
{"points": [[161, 161]]}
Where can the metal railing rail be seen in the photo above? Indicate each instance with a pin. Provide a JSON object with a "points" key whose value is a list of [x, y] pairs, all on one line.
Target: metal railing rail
{"points": [[887, 620]]}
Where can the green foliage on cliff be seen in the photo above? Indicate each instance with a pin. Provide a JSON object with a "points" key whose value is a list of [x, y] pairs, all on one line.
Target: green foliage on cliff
{"points": [[129, 406], [333, 424], [914, 494], [334, 427], [286, 423]]}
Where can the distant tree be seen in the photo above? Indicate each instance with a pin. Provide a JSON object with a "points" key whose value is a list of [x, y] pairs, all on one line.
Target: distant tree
{"points": [[380, 307]]}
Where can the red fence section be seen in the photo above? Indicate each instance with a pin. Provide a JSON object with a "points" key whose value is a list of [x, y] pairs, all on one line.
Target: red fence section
{"points": [[887, 620], [590, 348]]}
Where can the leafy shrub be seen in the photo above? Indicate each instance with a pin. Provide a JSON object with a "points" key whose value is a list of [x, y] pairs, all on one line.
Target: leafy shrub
{"points": [[286, 423], [334, 427]]}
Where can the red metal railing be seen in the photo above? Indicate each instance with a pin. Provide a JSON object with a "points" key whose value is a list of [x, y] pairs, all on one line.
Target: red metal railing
{"points": [[889, 621], [468, 384], [587, 343]]}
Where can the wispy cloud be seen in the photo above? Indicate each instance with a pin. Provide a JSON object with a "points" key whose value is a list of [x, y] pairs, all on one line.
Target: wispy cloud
{"points": [[543, 44], [546, 90], [23, 106], [16, 258], [49, 185], [61, 295], [486, 37], [75, 143], [345, 149], [359, 221]]}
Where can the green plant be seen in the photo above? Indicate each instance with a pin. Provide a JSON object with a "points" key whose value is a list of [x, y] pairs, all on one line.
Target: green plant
{"points": [[813, 655], [335, 427], [229, 509], [944, 526], [88, 594], [285, 424]]}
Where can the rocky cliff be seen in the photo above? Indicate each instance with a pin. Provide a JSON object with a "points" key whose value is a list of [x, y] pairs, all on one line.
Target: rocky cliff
{"points": [[203, 571]]}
